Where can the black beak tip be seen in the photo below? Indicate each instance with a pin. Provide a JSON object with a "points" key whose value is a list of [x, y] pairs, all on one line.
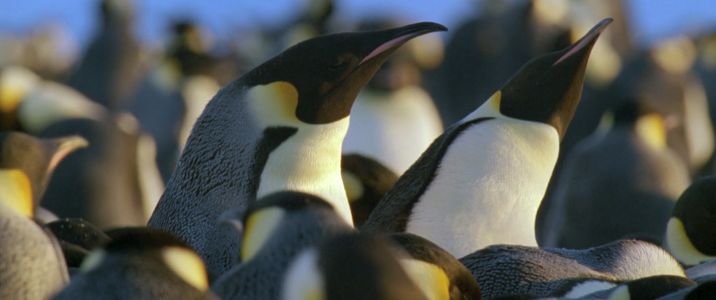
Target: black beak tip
{"points": [[599, 28], [428, 27]]}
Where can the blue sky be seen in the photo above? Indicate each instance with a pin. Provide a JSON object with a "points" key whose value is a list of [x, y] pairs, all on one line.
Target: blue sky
{"points": [[653, 19]]}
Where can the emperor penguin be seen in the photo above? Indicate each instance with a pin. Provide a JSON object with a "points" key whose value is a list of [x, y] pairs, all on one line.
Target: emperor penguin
{"points": [[504, 269], [278, 127], [691, 229], [481, 182], [111, 66], [626, 175], [37, 158], [276, 228], [31, 262], [140, 263], [351, 267]]}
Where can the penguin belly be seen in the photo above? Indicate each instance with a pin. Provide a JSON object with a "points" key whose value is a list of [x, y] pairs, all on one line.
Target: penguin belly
{"points": [[499, 171], [393, 129]]}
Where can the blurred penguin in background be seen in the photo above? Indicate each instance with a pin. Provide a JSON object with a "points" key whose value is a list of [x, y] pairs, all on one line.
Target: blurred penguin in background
{"points": [[622, 181], [174, 93], [112, 183], [109, 69], [393, 119], [660, 80]]}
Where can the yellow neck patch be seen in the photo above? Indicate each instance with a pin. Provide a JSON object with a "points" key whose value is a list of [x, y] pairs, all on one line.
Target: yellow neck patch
{"points": [[494, 101], [275, 103], [680, 246], [16, 191], [431, 279], [354, 187], [652, 130], [187, 265], [258, 228]]}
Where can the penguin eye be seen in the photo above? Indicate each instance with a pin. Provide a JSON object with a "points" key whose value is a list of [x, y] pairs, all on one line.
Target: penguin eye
{"points": [[338, 65]]}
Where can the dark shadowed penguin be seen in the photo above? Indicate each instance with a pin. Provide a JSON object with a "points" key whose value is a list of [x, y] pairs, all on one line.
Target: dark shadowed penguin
{"points": [[31, 262], [544, 272], [626, 175], [691, 230], [140, 263], [36, 158], [275, 229], [278, 127], [83, 188], [111, 66], [366, 181], [481, 182], [77, 238], [433, 270], [348, 267]]}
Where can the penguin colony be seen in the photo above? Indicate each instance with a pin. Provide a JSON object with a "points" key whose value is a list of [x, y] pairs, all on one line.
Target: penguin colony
{"points": [[265, 202]]}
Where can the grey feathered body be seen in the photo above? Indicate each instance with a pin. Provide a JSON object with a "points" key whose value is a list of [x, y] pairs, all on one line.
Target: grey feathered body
{"points": [[134, 277], [218, 169], [613, 186], [261, 277], [31, 263], [505, 269]]}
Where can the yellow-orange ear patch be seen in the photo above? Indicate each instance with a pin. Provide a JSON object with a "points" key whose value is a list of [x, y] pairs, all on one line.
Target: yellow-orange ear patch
{"points": [[680, 246], [258, 228], [275, 103], [652, 130], [495, 101], [187, 265], [16, 191], [354, 186]]}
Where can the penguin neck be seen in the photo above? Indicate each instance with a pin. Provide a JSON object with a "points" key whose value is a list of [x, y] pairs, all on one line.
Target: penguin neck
{"points": [[309, 162], [498, 173]]}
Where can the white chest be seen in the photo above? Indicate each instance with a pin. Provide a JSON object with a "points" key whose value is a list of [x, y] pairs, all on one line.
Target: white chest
{"points": [[488, 187], [310, 162]]}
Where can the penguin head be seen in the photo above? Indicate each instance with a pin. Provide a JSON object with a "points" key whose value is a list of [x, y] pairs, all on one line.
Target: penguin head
{"points": [[322, 76], [691, 230], [651, 287], [434, 270], [155, 244], [35, 157], [265, 217], [349, 266], [548, 88]]}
